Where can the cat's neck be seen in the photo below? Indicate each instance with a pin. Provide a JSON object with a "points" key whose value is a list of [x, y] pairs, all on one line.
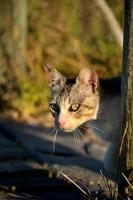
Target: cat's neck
{"points": [[108, 116]]}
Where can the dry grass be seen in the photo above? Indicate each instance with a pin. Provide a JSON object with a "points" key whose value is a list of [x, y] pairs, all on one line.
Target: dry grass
{"points": [[106, 190]]}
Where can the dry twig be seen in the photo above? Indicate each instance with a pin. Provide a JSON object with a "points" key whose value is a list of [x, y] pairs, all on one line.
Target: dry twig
{"points": [[70, 180], [127, 181]]}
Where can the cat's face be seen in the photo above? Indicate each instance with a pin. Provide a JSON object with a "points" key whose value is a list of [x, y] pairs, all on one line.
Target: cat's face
{"points": [[73, 102]]}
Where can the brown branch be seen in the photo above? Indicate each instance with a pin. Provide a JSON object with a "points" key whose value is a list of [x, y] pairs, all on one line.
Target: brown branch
{"points": [[111, 21]]}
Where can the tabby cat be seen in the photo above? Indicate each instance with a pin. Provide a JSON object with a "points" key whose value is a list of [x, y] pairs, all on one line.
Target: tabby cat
{"points": [[87, 102]]}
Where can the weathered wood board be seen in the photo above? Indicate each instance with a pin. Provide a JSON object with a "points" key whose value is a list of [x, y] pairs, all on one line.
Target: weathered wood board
{"points": [[26, 148], [73, 160]]}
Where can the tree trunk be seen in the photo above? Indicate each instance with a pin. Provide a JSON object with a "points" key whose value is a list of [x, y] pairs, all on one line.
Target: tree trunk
{"points": [[126, 165], [12, 35]]}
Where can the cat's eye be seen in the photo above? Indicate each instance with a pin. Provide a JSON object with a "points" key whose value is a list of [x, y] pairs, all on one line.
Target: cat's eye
{"points": [[54, 107], [74, 107]]}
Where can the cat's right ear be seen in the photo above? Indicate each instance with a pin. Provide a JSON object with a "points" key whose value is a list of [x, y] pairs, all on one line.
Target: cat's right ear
{"points": [[56, 79], [88, 78]]}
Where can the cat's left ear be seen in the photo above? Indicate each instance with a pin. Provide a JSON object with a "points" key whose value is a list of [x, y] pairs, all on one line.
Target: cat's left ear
{"points": [[88, 78], [56, 79]]}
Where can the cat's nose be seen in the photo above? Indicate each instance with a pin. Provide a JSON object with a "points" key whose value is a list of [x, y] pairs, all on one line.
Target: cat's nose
{"points": [[60, 125], [61, 122]]}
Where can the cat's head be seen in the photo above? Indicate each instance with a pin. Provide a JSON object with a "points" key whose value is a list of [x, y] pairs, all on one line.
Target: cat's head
{"points": [[73, 101]]}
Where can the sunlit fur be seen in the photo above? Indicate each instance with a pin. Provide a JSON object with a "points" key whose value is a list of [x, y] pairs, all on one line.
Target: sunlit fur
{"points": [[73, 93], [84, 92]]}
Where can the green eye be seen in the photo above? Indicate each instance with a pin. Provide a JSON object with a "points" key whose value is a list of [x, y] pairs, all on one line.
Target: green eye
{"points": [[74, 107], [54, 107]]}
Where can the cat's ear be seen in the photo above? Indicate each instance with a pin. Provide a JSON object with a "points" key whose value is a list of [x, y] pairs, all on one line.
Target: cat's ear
{"points": [[56, 79], [88, 78]]}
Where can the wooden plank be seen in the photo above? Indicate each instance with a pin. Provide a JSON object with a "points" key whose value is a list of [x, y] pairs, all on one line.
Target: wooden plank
{"points": [[16, 165], [36, 185], [47, 189], [13, 152], [33, 143], [52, 195], [4, 141], [70, 161], [31, 136]]}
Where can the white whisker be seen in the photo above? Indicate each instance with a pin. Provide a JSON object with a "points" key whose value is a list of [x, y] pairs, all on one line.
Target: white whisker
{"points": [[81, 135], [52, 131], [75, 138], [94, 127], [83, 128], [55, 140], [78, 137], [78, 141]]}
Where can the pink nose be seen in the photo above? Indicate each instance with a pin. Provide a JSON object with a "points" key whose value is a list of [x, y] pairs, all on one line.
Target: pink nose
{"points": [[61, 121]]}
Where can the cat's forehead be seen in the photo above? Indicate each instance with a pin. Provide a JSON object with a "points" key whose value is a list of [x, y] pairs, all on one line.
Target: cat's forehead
{"points": [[65, 94], [69, 94]]}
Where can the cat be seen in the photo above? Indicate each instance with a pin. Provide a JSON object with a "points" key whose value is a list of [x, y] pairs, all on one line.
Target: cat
{"points": [[88, 102]]}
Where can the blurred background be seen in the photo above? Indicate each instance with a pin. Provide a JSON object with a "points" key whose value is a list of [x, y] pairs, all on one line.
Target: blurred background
{"points": [[67, 34]]}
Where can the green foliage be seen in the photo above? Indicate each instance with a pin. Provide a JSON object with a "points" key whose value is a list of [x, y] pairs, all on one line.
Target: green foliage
{"points": [[67, 34], [32, 98], [74, 13]]}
